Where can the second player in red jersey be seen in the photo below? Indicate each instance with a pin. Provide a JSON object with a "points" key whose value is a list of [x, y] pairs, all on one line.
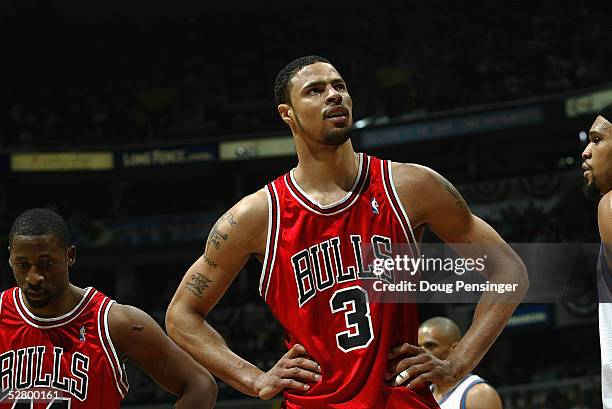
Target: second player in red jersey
{"points": [[345, 350], [65, 347]]}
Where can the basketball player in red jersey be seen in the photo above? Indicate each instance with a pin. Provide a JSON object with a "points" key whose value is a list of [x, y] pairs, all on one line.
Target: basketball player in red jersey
{"points": [[65, 347], [307, 228]]}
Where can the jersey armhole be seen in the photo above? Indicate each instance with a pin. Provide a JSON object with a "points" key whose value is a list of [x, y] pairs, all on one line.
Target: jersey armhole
{"points": [[117, 368], [271, 240], [396, 205], [1, 297]]}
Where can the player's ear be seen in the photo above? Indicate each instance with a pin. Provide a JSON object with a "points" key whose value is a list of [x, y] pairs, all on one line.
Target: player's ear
{"points": [[71, 256], [286, 113]]}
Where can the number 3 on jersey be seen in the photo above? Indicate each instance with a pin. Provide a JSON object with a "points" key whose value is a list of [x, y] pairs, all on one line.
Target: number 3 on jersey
{"points": [[353, 301]]}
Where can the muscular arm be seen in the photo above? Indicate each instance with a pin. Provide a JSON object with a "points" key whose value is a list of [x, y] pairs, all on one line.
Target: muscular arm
{"points": [[604, 219], [431, 200], [240, 232], [483, 396], [138, 337], [235, 236]]}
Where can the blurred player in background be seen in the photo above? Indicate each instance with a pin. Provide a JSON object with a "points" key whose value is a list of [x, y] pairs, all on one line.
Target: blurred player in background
{"points": [[597, 167], [439, 336], [65, 347], [307, 228]]}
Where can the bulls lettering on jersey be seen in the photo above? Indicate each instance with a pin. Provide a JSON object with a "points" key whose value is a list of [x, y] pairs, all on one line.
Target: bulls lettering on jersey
{"points": [[312, 279], [63, 362]]}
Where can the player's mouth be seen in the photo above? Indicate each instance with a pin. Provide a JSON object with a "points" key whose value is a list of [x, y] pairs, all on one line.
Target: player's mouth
{"points": [[586, 169], [337, 114], [36, 294]]}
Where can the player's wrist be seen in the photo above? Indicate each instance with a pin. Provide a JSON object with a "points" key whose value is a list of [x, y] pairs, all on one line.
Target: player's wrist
{"points": [[459, 367], [254, 383]]}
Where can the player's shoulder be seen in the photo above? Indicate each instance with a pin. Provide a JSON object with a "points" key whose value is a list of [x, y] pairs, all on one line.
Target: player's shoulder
{"points": [[123, 316], [483, 395], [412, 172], [605, 206], [412, 180], [126, 324], [255, 204], [604, 215], [250, 213]]}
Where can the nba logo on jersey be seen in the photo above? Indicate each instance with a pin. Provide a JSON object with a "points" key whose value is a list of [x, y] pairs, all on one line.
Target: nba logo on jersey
{"points": [[374, 206], [82, 334]]}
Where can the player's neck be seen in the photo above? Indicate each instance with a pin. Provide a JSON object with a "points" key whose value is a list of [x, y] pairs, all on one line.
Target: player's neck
{"points": [[63, 304], [327, 170]]}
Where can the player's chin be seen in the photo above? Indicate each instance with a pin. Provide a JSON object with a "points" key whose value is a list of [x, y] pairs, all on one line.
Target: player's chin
{"points": [[591, 190], [336, 137]]}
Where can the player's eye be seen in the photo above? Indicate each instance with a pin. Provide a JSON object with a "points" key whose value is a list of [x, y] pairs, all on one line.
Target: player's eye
{"points": [[341, 87], [45, 264], [23, 266], [314, 91]]}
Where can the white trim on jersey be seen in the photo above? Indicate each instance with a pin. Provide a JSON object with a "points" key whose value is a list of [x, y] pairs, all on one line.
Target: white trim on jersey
{"points": [[1, 297], [456, 397], [397, 214], [271, 242], [20, 305], [343, 208], [338, 202], [401, 206], [278, 212], [605, 343], [268, 237], [117, 368]]}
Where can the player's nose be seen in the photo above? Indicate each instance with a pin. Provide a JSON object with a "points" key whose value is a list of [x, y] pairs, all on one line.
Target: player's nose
{"points": [[586, 153], [34, 278], [333, 96]]}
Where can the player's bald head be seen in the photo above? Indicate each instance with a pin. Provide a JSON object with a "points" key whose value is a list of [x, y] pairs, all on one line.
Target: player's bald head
{"points": [[443, 328]]}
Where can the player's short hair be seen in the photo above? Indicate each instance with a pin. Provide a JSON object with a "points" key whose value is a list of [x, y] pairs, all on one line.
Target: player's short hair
{"points": [[281, 84], [606, 113], [445, 325], [41, 222]]}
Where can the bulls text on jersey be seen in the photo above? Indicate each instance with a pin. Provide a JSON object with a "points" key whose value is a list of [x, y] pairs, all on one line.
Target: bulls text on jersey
{"points": [[22, 369], [314, 270]]}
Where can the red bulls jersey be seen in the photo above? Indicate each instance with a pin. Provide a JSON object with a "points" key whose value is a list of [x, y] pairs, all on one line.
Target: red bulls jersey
{"points": [[56, 363], [313, 279]]}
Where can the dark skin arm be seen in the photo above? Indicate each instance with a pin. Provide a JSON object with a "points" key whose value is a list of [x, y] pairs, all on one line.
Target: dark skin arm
{"points": [[432, 201], [138, 337], [604, 220], [238, 234]]}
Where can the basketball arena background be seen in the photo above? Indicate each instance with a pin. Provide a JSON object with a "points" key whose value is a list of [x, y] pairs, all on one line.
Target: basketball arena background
{"points": [[142, 121]]}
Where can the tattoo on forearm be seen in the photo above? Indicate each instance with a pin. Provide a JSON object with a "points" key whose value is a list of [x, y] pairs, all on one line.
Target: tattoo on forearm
{"points": [[210, 261], [453, 191], [198, 284], [229, 217], [216, 236]]}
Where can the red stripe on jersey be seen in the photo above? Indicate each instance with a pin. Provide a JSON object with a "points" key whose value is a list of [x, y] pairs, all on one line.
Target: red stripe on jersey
{"points": [[109, 349], [39, 322], [273, 216], [345, 203]]}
